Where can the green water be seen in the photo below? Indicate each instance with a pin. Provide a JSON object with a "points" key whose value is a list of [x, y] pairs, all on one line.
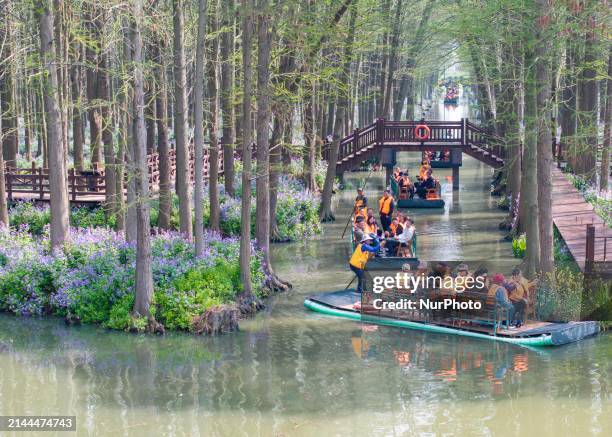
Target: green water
{"points": [[291, 372]]}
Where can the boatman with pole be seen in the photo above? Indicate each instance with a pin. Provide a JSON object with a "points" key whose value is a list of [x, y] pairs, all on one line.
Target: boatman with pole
{"points": [[368, 245], [361, 202], [385, 208]]}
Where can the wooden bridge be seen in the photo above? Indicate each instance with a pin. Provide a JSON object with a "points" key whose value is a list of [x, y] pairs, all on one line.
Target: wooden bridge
{"points": [[400, 136], [586, 235]]}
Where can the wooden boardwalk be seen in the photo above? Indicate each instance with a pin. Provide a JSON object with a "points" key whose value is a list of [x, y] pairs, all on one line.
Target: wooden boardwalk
{"points": [[572, 216]]}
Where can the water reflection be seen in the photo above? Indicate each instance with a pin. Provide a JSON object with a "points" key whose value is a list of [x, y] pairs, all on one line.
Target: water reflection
{"points": [[301, 375]]}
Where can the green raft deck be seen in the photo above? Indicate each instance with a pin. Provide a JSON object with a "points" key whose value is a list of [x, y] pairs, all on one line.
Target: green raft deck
{"points": [[340, 304], [415, 202]]}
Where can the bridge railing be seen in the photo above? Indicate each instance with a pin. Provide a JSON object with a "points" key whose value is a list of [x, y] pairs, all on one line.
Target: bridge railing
{"points": [[33, 182]]}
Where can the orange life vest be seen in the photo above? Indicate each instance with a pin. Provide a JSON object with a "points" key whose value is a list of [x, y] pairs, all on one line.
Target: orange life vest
{"points": [[385, 205], [393, 227], [359, 258]]}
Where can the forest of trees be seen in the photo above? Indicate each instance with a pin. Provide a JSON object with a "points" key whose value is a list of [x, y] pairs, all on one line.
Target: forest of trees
{"points": [[104, 83]]}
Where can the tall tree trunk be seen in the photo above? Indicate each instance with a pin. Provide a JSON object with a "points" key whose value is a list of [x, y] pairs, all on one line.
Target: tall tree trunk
{"points": [[163, 145], [107, 137], [131, 228], [57, 162], [392, 59], [326, 213], [587, 103], [569, 101], [77, 118], [4, 218], [529, 190], [198, 90], [604, 173], [262, 184], [310, 140], [247, 84], [213, 125], [8, 108], [227, 106], [544, 153], [183, 187], [144, 274], [92, 54], [150, 114]]}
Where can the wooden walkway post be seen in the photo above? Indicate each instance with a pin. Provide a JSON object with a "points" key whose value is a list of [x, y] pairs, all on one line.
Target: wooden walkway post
{"points": [[41, 186], [9, 181], [589, 258]]}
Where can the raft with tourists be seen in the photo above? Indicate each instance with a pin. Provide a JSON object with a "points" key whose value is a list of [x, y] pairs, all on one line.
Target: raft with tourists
{"points": [[405, 199], [342, 303]]}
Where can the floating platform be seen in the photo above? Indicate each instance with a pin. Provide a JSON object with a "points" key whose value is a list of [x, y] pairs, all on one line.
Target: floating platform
{"points": [[533, 333], [417, 202]]}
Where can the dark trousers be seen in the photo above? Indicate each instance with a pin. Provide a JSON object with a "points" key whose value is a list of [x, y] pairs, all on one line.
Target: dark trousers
{"points": [[385, 221], [519, 310], [360, 277]]}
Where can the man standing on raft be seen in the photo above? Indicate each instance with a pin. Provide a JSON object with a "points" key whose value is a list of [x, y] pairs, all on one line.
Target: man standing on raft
{"points": [[385, 208], [361, 202], [361, 256]]}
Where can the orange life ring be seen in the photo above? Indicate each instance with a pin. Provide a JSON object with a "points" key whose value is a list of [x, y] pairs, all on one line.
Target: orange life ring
{"points": [[422, 136]]}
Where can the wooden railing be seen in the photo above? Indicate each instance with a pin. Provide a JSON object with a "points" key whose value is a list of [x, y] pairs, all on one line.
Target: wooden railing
{"points": [[386, 132], [33, 182]]}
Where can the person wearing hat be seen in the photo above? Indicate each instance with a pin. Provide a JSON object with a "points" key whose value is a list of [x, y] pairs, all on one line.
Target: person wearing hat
{"points": [[385, 209], [361, 202], [462, 270], [360, 228], [369, 244], [501, 296]]}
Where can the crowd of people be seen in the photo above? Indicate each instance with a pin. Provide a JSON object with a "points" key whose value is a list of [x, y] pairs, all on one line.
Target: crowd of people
{"points": [[394, 237], [509, 293], [396, 231], [425, 186]]}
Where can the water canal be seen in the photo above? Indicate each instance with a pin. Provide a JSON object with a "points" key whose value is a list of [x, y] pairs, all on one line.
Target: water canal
{"points": [[291, 372]]}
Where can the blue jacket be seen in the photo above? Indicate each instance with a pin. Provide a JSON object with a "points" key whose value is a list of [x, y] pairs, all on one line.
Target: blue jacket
{"points": [[368, 248]]}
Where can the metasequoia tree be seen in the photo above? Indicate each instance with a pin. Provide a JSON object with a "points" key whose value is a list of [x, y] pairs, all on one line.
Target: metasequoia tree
{"points": [[57, 160], [144, 275], [183, 187], [341, 111], [246, 13], [198, 104]]}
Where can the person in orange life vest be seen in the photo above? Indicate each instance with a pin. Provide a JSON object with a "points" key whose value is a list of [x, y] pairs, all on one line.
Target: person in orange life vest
{"points": [[425, 167], [371, 225], [361, 201], [369, 244], [385, 208]]}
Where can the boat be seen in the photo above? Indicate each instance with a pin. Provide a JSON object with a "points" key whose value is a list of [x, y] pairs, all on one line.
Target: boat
{"points": [[437, 163], [415, 202], [537, 334]]}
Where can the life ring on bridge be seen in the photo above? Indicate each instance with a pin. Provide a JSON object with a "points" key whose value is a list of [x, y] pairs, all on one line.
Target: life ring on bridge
{"points": [[422, 132]]}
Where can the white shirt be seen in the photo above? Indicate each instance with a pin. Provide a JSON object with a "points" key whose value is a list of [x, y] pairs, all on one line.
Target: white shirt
{"points": [[406, 234]]}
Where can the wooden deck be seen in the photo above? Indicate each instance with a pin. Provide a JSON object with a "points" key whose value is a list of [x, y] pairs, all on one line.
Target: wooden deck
{"points": [[572, 215]]}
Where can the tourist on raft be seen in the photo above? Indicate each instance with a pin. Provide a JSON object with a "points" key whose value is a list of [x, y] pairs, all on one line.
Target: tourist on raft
{"points": [[368, 245], [427, 184], [518, 304], [501, 297], [385, 209], [360, 228], [361, 203], [371, 225], [405, 238]]}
